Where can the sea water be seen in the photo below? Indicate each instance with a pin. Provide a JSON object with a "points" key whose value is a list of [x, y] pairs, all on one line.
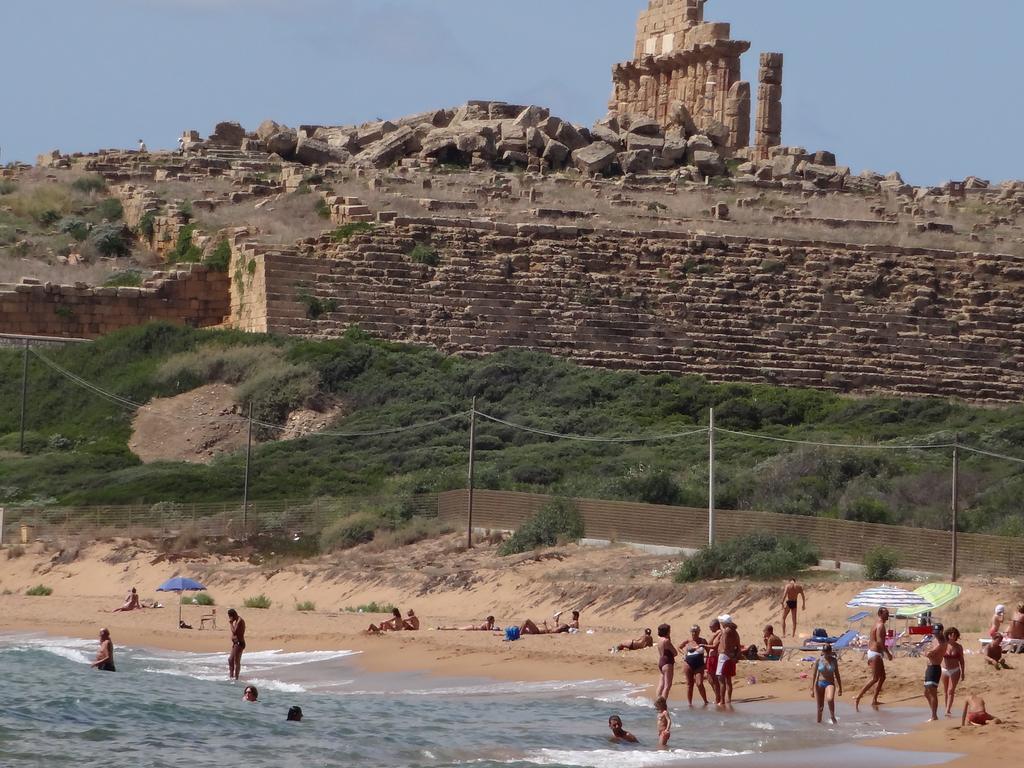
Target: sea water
{"points": [[178, 709]]}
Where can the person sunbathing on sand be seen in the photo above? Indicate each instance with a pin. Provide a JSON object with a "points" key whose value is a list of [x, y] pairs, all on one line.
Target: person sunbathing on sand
{"points": [[395, 624], [975, 712], [412, 621], [640, 643], [487, 626], [529, 627], [620, 734], [131, 602]]}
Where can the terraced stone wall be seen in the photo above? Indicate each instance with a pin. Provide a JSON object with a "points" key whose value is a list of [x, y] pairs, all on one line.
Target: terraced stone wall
{"points": [[798, 313]]}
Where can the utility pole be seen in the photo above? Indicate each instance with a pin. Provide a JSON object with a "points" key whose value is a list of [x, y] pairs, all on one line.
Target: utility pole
{"points": [[711, 478], [245, 485], [956, 506], [472, 457], [24, 396]]}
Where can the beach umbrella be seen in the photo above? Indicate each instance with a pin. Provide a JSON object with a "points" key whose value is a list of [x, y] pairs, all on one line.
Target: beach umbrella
{"points": [[893, 598], [937, 594], [180, 584]]}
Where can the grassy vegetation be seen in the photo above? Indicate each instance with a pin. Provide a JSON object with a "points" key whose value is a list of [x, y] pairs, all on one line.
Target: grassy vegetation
{"points": [[40, 590], [373, 607], [424, 253], [345, 231], [757, 556], [202, 598], [306, 606], [384, 385], [261, 602], [185, 251], [557, 522], [127, 278], [881, 564]]}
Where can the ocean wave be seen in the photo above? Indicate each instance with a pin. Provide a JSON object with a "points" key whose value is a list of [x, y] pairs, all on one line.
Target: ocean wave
{"points": [[492, 688], [627, 698], [619, 758], [762, 726]]}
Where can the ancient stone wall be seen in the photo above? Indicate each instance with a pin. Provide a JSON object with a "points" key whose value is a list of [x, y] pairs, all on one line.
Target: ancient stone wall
{"points": [[686, 73], [836, 316], [196, 297]]}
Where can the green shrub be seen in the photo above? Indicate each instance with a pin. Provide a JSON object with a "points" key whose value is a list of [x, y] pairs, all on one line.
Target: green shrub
{"points": [[184, 250], [7, 186], [147, 225], [126, 278], [260, 601], [89, 184], [653, 488], [48, 218], [111, 240], [867, 510], [323, 210], [40, 590], [373, 607], [315, 306], [203, 598], [220, 258], [306, 607], [110, 209], [77, 228], [755, 556], [558, 521], [424, 253], [348, 532], [345, 231], [880, 564]]}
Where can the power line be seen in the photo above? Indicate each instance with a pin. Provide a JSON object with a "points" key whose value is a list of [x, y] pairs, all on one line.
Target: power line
{"points": [[991, 454], [871, 446], [586, 439]]}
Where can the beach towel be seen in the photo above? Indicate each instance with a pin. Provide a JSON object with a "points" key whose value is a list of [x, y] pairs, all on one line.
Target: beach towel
{"points": [[511, 633]]}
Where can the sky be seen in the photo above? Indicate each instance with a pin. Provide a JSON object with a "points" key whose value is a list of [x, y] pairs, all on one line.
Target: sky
{"points": [[925, 87]]}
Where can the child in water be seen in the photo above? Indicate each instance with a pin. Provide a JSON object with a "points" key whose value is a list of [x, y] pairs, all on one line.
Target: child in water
{"points": [[619, 733], [664, 721]]}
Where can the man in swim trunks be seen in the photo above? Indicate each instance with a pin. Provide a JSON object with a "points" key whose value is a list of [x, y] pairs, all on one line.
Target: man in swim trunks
{"points": [[711, 663], [773, 647], [790, 593], [237, 643], [105, 655], [877, 651], [620, 734], [933, 672], [975, 712], [728, 652]]}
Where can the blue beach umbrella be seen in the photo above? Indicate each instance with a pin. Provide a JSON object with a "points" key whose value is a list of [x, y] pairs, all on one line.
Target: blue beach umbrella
{"points": [[180, 584]]}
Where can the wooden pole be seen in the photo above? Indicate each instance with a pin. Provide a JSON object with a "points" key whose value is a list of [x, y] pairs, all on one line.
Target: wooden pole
{"points": [[245, 485], [956, 507], [711, 478], [472, 458], [24, 396]]}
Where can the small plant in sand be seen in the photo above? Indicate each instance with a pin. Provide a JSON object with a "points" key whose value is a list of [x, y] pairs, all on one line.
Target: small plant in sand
{"points": [[260, 601], [373, 607], [306, 607], [200, 599], [40, 590]]}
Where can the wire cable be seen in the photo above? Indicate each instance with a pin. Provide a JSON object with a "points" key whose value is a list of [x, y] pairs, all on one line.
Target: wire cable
{"points": [[872, 446], [586, 439], [968, 448]]}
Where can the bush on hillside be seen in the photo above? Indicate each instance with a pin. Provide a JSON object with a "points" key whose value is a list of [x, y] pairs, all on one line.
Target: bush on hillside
{"points": [[40, 590], [260, 601], [424, 253], [77, 228], [89, 184], [348, 532], [558, 521], [880, 564], [220, 258], [185, 251], [755, 556], [110, 208], [111, 240]]}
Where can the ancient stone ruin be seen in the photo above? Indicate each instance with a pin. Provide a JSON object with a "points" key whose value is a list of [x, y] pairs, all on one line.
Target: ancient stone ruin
{"points": [[685, 74]]}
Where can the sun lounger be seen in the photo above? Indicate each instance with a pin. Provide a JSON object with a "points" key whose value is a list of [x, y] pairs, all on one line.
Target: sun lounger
{"points": [[839, 644], [1009, 645]]}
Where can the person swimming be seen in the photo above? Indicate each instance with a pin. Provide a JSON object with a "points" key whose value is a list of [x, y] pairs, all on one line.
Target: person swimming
{"points": [[251, 693], [294, 714], [620, 734]]}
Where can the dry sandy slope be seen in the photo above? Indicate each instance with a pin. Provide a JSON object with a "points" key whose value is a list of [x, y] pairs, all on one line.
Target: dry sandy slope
{"points": [[619, 590]]}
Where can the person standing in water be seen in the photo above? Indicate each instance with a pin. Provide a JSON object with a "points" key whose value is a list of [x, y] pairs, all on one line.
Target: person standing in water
{"points": [[664, 722], [935, 654], [711, 663], [666, 660], [790, 593], [696, 663], [237, 643], [728, 653], [105, 654], [877, 651], [825, 682]]}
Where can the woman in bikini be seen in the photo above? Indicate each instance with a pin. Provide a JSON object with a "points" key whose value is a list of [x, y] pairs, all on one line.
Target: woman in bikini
{"points": [[825, 682], [639, 644], [666, 660], [696, 663], [954, 667]]}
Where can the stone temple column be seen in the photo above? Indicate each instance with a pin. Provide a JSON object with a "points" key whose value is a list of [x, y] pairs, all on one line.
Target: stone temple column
{"points": [[737, 115], [768, 127]]}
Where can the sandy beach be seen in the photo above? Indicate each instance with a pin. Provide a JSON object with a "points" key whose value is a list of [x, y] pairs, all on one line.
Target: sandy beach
{"points": [[619, 591]]}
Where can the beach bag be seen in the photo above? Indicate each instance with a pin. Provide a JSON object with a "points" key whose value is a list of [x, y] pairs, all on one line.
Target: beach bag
{"points": [[511, 633], [819, 632]]}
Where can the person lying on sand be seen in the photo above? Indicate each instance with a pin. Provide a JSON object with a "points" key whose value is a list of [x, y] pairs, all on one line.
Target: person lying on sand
{"points": [[975, 712], [620, 734], [994, 652], [395, 624], [640, 643], [411, 621], [131, 602], [487, 626], [529, 627]]}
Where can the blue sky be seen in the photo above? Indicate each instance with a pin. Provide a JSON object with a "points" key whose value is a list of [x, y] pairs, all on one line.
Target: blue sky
{"points": [[921, 86]]}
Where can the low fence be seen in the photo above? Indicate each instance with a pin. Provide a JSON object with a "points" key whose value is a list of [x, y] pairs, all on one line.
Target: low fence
{"points": [[842, 540], [622, 521]]}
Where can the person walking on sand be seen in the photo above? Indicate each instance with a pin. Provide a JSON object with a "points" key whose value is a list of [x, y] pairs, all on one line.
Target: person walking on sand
{"points": [[664, 722], [237, 643], [696, 663], [954, 667], [105, 654], [935, 655], [728, 653], [790, 593], [825, 682], [666, 660], [877, 651], [711, 664]]}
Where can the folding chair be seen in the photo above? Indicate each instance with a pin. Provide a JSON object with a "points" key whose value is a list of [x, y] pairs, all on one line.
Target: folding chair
{"points": [[208, 618]]}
